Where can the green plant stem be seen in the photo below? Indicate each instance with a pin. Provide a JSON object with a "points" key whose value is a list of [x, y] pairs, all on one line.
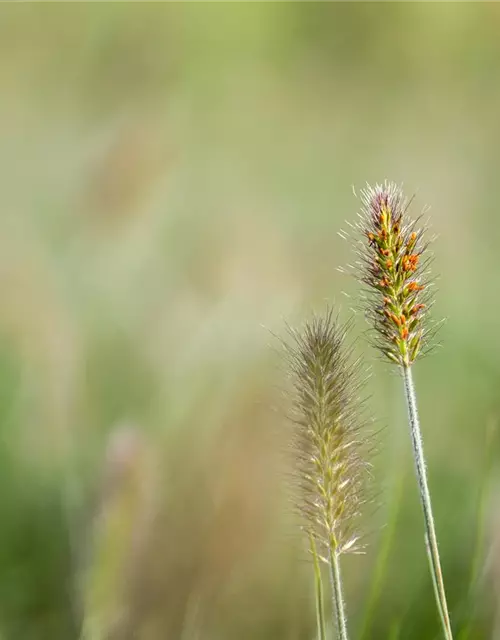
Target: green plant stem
{"points": [[430, 531], [337, 595], [318, 588]]}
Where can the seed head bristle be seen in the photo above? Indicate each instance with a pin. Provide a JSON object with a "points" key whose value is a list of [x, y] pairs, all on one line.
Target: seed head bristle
{"points": [[393, 267], [329, 469]]}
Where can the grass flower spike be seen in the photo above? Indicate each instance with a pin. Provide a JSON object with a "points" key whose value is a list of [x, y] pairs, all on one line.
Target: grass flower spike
{"points": [[393, 267], [329, 466]]}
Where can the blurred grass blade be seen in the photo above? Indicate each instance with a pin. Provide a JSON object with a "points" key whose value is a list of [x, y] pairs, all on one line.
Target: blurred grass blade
{"points": [[381, 565], [318, 587], [489, 458]]}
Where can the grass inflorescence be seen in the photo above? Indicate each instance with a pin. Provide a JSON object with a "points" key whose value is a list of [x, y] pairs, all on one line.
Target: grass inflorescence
{"points": [[393, 266], [329, 444]]}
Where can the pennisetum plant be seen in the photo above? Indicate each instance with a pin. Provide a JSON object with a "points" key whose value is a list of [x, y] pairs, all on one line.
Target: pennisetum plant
{"points": [[393, 266], [328, 446]]}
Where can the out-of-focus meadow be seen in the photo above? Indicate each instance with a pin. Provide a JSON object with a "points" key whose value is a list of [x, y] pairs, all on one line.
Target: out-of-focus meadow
{"points": [[172, 180]]}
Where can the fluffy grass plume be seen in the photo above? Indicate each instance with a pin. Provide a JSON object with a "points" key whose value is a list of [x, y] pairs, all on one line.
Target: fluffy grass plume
{"points": [[393, 266], [329, 442]]}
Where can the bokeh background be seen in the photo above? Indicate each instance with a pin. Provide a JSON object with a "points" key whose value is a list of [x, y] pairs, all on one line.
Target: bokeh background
{"points": [[172, 181]]}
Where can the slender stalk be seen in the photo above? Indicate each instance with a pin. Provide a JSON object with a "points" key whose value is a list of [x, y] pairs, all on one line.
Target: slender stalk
{"points": [[318, 588], [430, 535], [435, 584], [337, 595]]}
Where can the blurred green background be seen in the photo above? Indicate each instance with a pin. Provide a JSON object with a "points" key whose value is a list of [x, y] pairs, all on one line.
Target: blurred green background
{"points": [[172, 180]]}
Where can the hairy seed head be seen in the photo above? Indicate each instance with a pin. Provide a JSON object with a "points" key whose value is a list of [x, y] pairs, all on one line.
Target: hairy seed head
{"points": [[393, 267], [329, 468]]}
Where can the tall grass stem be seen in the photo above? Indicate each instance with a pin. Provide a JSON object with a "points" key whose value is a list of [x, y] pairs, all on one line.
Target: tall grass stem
{"points": [[430, 535], [337, 595]]}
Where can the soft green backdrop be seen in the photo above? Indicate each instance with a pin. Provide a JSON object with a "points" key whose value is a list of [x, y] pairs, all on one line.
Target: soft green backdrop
{"points": [[172, 180]]}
